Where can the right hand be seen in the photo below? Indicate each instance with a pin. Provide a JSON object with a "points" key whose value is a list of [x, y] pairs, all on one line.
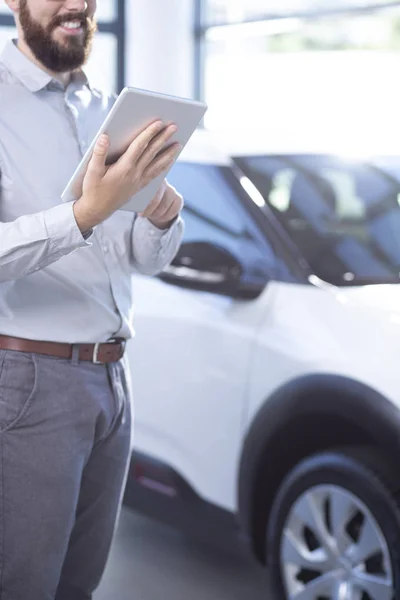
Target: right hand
{"points": [[106, 189]]}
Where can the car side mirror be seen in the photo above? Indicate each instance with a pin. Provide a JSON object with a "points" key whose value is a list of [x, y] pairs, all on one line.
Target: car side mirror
{"points": [[204, 266]]}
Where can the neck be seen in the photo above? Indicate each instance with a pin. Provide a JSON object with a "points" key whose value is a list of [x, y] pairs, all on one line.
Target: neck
{"points": [[64, 78]]}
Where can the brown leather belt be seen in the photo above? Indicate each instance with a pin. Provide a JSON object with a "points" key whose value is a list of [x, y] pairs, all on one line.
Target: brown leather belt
{"points": [[97, 353]]}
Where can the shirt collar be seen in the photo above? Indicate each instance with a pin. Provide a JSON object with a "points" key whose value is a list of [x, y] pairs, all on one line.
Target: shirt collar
{"points": [[31, 75]]}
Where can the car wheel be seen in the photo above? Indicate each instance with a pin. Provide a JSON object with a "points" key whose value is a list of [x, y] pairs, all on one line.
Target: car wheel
{"points": [[334, 531]]}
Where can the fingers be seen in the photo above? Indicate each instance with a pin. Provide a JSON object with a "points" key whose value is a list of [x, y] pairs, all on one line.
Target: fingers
{"points": [[161, 212], [140, 144], [162, 162], [156, 146], [164, 207], [160, 218], [147, 147], [97, 164]]}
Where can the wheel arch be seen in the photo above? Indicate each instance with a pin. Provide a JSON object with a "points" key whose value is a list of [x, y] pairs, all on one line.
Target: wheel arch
{"points": [[308, 414]]}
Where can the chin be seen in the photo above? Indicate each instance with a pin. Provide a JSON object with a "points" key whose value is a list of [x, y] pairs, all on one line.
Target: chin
{"points": [[67, 39]]}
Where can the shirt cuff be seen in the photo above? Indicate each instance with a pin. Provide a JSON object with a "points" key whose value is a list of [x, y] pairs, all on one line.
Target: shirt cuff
{"points": [[62, 228]]}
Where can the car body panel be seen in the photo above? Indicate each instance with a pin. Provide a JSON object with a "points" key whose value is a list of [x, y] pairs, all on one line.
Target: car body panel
{"points": [[204, 364]]}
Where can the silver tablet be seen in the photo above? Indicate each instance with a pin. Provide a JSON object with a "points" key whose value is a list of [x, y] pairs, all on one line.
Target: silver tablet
{"points": [[134, 109]]}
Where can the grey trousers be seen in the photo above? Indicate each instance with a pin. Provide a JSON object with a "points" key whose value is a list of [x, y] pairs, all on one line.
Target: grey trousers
{"points": [[65, 442]]}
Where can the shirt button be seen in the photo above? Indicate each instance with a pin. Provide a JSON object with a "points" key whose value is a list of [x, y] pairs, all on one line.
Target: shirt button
{"points": [[105, 249]]}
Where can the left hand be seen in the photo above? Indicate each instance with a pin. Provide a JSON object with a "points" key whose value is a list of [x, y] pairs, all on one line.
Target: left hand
{"points": [[165, 207]]}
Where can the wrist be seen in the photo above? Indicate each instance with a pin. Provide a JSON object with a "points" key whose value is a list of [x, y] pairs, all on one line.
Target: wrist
{"points": [[84, 216]]}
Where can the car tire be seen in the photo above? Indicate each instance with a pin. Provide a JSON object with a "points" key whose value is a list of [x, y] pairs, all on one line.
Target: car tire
{"points": [[334, 529]]}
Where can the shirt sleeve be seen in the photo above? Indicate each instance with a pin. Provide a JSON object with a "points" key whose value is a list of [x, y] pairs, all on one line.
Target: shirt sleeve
{"points": [[33, 242], [154, 249]]}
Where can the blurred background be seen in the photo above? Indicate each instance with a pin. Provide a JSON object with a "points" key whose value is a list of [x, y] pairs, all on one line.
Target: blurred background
{"points": [[288, 56], [290, 85]]}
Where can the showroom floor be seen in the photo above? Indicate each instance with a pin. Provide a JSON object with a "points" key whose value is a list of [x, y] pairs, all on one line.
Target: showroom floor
{"points": [[152, 562]]}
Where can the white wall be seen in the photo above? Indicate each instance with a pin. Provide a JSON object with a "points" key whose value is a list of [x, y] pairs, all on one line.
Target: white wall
{"points": [[160, 45]]}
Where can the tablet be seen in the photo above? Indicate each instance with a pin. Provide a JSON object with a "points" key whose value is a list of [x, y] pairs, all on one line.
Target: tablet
{"points": [[133, 110]]}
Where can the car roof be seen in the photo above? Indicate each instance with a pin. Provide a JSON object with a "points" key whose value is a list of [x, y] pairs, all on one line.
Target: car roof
{"points": [[204, 147]]}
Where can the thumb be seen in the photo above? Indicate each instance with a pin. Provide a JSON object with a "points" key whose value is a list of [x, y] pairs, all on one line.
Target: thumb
{"points": [[97, 164]]}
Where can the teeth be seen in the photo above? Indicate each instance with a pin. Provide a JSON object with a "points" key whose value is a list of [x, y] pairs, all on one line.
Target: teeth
{"points": [[72, 25]]}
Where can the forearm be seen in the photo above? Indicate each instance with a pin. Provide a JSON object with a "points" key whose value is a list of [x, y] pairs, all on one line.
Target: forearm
{"points": [[154, 249], [33, 242]]}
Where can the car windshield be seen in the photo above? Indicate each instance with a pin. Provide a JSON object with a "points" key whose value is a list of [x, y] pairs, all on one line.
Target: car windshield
{"points": [[342, 214]]}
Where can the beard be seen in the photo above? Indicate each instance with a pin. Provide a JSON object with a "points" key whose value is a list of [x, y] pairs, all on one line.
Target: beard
{"points": [[58, 57]]}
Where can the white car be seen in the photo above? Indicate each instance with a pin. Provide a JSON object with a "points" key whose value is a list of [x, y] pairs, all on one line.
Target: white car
{"points": [[266, 368]]}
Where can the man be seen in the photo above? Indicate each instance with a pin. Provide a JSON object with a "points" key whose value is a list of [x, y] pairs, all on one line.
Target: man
{"points": [[65, 304]]}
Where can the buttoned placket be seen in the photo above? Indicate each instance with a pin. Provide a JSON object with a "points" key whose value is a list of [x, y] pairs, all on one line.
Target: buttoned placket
{"points": [[99, 239]]}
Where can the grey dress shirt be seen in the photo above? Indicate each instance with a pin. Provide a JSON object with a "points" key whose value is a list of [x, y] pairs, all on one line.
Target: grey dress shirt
{"points": [[55, 285]]}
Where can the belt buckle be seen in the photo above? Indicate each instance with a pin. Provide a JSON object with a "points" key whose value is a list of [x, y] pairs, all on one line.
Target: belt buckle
{"points": [[96, 354], [122, 341]]}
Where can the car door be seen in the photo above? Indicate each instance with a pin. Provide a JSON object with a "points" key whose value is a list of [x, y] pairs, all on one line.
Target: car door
{"points": [[195, 332]]}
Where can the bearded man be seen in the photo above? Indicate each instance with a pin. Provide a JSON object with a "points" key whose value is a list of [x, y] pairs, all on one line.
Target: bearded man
{"points": [[66, 303]]}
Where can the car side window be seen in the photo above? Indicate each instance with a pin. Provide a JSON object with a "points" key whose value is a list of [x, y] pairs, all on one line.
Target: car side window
{"points": [[343, 215]]}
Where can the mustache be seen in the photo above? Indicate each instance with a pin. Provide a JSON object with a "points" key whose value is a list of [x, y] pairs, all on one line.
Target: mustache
{"points": [[78, 16]]}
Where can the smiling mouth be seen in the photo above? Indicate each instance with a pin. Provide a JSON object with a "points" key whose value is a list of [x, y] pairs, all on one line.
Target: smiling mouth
{"points": [[72, 27]]}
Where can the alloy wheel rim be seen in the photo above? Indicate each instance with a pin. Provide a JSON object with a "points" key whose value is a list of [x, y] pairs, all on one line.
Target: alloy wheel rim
{"points": [[334, 549]]}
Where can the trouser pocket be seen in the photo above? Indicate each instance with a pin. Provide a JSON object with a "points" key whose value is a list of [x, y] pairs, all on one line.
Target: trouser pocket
{"points": [[18, 382]]}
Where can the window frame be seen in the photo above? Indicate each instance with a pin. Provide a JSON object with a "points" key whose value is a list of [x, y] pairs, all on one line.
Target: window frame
{"points": [[115, 28]]}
